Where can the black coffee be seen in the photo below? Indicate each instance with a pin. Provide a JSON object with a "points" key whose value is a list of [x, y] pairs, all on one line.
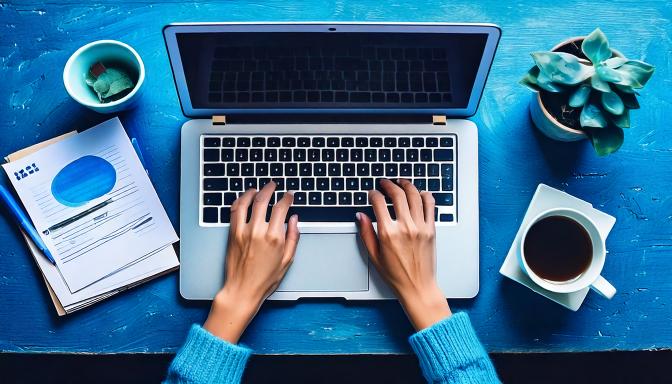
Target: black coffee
{"points": [[558, 248]]}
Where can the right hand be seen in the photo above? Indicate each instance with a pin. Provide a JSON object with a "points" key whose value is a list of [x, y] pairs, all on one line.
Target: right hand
{"points": [[404, 250]]}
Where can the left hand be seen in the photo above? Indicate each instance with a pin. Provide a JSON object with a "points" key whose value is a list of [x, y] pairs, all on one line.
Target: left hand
{"points": [[258, 256]]}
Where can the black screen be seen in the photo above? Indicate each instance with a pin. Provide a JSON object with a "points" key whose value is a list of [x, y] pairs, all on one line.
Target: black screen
{"points": [[274, 70]]}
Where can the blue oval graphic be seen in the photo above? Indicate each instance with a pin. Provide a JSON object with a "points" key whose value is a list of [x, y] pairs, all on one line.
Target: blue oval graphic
{"points": [[83, 180]]}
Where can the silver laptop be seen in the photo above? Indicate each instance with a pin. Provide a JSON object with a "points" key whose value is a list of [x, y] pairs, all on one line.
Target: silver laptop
{"points": [[327, 110]]}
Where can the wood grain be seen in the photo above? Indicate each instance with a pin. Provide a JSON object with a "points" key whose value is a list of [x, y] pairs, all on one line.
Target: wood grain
{"points": [[634, 184]]}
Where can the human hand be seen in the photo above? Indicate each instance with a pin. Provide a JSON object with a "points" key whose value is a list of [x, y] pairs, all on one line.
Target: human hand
{"points": [[258, 256], [404, 251]]}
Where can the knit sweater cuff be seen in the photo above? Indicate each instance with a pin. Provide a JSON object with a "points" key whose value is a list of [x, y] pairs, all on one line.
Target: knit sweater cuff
{"points": [[450, 351], [205, 358]]}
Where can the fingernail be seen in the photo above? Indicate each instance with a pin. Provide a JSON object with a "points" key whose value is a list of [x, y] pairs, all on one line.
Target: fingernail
{"points": [[358, 216], [291, 192]]}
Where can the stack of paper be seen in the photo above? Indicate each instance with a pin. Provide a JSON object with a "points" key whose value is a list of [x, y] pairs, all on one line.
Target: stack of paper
{"points": [[93, 204]]}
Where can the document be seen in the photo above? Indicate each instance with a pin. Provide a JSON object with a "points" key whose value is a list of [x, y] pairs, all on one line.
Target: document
{"points": [[93, 204]]}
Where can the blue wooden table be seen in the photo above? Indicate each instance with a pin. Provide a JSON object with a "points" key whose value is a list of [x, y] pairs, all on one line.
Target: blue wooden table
{"points": [[635, 184]]}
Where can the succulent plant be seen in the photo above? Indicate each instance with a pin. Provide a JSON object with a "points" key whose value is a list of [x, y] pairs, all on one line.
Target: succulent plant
{"points": [[603, 88]]}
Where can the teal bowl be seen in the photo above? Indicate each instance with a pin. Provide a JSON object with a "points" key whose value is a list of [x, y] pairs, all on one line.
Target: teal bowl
{"points": [[112, 54]]}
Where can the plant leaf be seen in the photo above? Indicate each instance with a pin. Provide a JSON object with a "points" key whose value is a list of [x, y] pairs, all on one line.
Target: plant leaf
{"points": [[607, 74], [547, 84], [530, 79], [596, 46], [635, 73], [597, 83], [622, 120], [615, 62], [625, 88], [629, 99], [612, 103], [579, 97], [561, 67], [606, 141], [592, 116]]}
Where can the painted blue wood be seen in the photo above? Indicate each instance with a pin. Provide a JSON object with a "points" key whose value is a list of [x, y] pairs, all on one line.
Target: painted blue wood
{"points": [[634, 185]]}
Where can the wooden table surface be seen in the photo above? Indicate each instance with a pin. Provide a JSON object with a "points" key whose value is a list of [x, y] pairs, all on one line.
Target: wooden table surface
{"points": [[634, 185]]}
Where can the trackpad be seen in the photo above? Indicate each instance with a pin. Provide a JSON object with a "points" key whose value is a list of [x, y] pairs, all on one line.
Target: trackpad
{"points": [[328, 262]]}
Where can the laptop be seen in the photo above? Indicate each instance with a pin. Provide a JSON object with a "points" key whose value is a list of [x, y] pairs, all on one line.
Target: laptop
{"points": [[326, 110]]}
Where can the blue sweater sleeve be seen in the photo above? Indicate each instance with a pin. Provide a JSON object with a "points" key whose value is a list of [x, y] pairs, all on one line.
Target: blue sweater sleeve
{"points": [[205, 358], [449, 352]]}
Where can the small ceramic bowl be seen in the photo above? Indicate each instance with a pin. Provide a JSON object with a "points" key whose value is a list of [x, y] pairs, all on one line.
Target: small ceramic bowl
{"points": [[113, 54]]}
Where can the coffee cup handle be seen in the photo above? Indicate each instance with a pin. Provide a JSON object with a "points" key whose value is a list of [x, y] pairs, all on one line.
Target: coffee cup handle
{"points": [[603, 287]]}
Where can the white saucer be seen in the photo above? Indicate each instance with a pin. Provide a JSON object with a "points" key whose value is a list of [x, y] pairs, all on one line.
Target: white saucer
{"points": [[545, 198]]}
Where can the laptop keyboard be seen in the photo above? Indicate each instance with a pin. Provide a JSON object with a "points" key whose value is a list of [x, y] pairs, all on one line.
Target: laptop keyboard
{"points": [[354, 75], [329, 174]]}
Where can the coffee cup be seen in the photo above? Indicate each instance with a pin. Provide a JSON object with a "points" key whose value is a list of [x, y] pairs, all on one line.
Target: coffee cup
{"points": [[562, 250]]}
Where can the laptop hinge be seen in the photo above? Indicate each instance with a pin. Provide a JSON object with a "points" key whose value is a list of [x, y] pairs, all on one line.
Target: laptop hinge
{"points": [[218, 119], [439, 120]]}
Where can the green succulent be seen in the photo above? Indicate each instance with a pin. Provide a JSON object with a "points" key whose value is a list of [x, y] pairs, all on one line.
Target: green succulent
{"points": [[604, 87]]}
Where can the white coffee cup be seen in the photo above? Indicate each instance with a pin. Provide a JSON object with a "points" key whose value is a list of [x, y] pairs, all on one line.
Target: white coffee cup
{"points": [[591, 276]]}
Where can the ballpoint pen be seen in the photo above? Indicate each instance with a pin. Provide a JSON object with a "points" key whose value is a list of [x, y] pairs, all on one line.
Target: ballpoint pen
{"points": [[24, 222]]}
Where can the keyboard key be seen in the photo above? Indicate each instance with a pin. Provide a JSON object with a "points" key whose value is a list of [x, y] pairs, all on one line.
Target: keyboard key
{"points": [[376, 142], [367, 183], [247, 169], [318, 142], [215, 184], [352, 184], [211, 155], [370, 155], [250, 182], [334, 169], [210, 215], [405, 170], [391, 170], [288, 142], [291, 169], [228, 142], [300, 198], [235, 184], [337, 184], [328, 154], [360, 198], [329, 198], [276, 169], [412, 155], [433, 170], [420, 184], [362, 169], [377, 169], [243, 142], [224, 215], [299, 154], [347, 142], [443, 155], [273, 142], [313, 154], [362, 142], [229, 198], [425, 155], [308, 184], [333, 142], [432, 142], [232, 169], [212, 199], [419, 170], [446, 217], [433, 185], [211, 142], [348, 169], [305, 169], [342, 155], [344, 198], [314, 198], [322, 184], [404, 142], [293, 184], [319, 169], [398, 155], [241, 154], [279, 184], [390, 142], [418, 142], [303, 142], [256, 154], [227, 154], [261, 169], [443, 198], [285, 154], [446, 142], [384, 155], [258, 142], [332, 213], [356, 154], [213, 169], [270, 154], [263, 181]]}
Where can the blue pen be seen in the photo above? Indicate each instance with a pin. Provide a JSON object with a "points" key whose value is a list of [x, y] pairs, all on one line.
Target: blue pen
{"points": [[24, 222]]}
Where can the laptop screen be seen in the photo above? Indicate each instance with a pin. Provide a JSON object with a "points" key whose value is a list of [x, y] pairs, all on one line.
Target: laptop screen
{"points": [[321, 70]]}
